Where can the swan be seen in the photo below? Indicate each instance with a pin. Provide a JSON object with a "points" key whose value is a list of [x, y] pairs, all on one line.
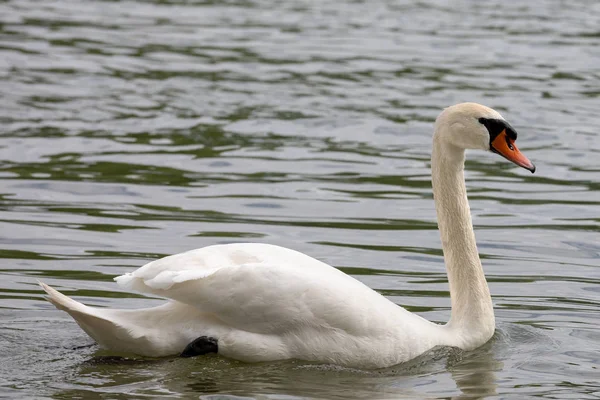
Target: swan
{"points": [[257, 302]]}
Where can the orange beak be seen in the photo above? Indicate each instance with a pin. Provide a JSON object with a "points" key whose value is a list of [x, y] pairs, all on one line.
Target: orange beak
{"points": [[506, 147]]}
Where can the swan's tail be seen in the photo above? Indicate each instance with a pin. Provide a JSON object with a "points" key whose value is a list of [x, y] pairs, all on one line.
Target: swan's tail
{"points": [[154, 332], [61, 301], [96, 322]]}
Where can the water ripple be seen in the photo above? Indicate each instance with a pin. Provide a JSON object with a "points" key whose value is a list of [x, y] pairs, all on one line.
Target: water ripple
{"points": [[132, 130]]}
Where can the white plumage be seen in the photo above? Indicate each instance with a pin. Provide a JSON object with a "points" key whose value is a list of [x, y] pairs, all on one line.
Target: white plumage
{"points": [[264, 303]]}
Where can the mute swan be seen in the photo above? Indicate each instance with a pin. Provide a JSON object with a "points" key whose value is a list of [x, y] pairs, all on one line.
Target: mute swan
{"points": [[259, 302]]}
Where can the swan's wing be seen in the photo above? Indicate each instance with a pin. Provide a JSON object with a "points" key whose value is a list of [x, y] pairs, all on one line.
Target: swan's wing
{"points": [[266, 297], [199, 263]]}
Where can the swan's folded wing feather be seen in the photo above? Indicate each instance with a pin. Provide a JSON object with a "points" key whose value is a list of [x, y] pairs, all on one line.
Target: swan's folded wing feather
{"points": [[199, 263], [164, 280], [162, 273]]}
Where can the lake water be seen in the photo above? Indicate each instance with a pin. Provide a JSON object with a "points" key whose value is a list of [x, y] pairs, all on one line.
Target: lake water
{"points": [[130, 130]]}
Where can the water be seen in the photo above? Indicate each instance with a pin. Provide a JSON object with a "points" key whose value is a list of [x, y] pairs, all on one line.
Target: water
{"points": [[133, 130]]}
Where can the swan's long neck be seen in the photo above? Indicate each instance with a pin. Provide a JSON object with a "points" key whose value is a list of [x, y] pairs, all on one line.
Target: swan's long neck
{"points": [[472, 311]]}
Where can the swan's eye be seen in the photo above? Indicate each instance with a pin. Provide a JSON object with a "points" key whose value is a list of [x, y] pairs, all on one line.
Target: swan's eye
{"points": [[509, 143], [496, 127]]}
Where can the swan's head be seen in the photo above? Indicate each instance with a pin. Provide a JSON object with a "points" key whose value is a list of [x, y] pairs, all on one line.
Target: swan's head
{"points": [[473, 126]]}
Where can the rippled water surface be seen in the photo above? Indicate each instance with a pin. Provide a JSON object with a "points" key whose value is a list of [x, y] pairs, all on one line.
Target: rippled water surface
{"points": [[133, 130]]}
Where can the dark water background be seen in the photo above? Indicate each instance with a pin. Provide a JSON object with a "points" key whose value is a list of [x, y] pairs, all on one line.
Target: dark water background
{"points": [[131, 130]]}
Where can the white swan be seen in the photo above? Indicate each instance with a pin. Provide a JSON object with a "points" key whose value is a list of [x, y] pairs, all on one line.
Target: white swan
{"points": [[259, 302]]}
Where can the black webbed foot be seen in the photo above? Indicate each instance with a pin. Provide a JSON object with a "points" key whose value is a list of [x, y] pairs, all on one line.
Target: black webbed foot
{"points": [[200, 346]]}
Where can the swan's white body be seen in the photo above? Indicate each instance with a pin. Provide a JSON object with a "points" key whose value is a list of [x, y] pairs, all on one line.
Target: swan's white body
{"points": [[264, 303]]}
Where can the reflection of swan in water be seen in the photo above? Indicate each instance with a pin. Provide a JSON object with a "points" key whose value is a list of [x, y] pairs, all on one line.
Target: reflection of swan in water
{"points": [[475, 375], [258, 302], [441, 372]]}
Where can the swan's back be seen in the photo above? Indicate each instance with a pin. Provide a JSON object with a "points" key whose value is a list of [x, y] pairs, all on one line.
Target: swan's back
{"points": [[161, 274]]}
